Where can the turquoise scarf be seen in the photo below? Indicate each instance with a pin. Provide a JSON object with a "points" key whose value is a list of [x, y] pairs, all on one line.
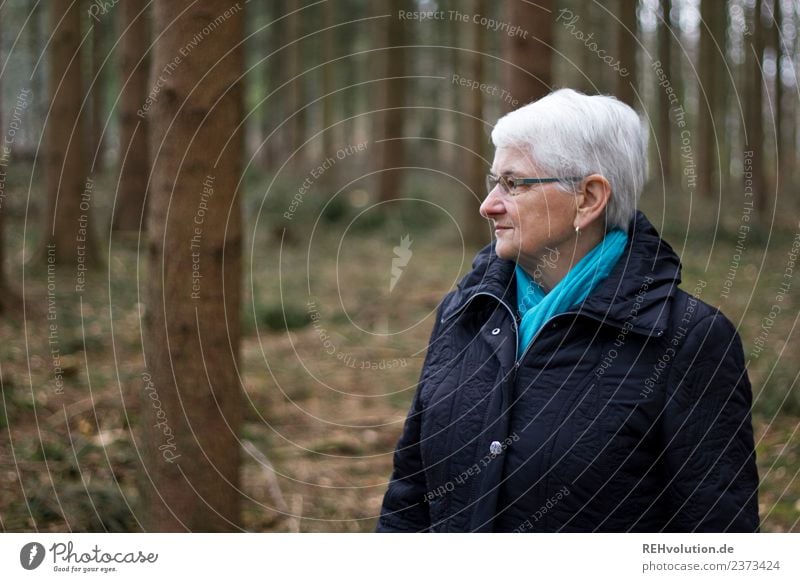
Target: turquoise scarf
{"points": [[536, 307]]}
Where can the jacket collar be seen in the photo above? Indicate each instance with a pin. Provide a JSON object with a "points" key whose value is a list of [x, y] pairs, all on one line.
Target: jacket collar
{"points": [[638, 290]]}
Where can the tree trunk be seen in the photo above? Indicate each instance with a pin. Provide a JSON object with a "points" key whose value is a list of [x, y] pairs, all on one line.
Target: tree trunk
{"points": [[192, 400], [529, 58], [10, 302], [68, 235], [329, 102], [706, 147], [792, 108], [447, 123], [393, 92], [754, 124], [628, 49], [726, 89], [33, 126], [679, 78], [477, 232], [97, 82], [595, 77], [296, 98], [134, 167], [272, 76], [712, 111], [664, 149], [352, 100], [585, 80], [780, 131]]}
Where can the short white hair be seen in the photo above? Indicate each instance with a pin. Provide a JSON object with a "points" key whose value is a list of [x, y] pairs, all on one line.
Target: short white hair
{"points": [[568, 133]]}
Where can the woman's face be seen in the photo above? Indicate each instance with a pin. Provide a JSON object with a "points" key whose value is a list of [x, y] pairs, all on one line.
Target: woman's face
{"points": [[534, 224]]}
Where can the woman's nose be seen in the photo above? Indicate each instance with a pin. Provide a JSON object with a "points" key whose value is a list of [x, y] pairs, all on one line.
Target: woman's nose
{"points": [[492, 205]]}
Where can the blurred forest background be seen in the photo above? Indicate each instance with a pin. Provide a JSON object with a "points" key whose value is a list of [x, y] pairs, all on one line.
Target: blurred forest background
{"points": [[225, 228]]}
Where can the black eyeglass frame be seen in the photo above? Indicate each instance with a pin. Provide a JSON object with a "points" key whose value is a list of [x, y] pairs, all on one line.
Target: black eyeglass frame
{"points": [[510, 183]]}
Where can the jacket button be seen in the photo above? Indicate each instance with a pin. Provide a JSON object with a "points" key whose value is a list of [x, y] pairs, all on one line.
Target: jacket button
{"points": [[495, 331], [495, 448]]}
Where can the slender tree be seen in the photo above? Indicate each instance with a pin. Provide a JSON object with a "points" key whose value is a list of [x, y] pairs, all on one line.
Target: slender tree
{"points": [[134, 167], [296, 98], [664, 123], [529, 58], [36, 15], [781, 147], [791, 103], [392, 148], [98, 81], [713, 33], [328, 104], [445, 125], [352, 99], [476, 136], [754, 123], [194, 257], [679, 60], [375, 96], [274, 40], [67, 229]]}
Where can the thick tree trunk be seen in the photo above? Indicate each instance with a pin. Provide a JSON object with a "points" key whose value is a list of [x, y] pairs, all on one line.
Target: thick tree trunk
{"points": [[134, 168], [194, 257], [529, 66], [10, 301], [68, 228], [595, 77]]}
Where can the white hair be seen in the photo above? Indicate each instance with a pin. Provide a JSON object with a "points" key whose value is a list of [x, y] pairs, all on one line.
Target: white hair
{"points": [[568, 134]]}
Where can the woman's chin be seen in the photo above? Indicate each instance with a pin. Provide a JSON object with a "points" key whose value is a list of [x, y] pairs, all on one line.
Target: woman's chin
{"points": [[504, 250]]}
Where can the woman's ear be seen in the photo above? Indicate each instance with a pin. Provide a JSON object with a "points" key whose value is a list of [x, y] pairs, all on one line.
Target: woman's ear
{"points": [[592, 199]]}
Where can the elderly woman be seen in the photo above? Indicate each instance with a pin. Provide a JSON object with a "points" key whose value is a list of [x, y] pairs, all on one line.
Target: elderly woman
{"points": [[569, 384]]}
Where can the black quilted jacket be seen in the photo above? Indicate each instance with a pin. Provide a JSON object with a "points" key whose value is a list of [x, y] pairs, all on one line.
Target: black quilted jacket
{"points": [[630, 412]]}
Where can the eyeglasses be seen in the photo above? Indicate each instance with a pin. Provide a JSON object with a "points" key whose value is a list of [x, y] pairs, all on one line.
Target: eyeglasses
{"points": [[511, 184]]}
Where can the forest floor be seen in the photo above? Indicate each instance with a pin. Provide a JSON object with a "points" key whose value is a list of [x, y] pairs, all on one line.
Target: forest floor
{"points": [[331, 357]]}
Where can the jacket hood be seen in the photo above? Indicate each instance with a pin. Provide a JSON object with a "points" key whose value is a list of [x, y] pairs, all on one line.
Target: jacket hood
{"points": [[638, 289]]}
